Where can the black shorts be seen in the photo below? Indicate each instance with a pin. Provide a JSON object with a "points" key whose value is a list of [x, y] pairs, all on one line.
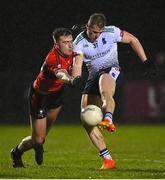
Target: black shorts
{"points": [[92, 84], [39, 104]]}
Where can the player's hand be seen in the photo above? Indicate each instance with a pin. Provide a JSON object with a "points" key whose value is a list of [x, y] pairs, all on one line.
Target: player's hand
{"points": [[64, 76], [150, 69], [76, 82]]}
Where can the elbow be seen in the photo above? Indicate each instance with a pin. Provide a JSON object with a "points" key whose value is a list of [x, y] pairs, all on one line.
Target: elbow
{"points": [[134, 41]]}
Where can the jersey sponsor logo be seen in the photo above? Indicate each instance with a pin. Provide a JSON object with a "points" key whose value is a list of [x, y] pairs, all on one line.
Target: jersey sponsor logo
{"points": [[85, 45], [109, 29], [98, 55]]}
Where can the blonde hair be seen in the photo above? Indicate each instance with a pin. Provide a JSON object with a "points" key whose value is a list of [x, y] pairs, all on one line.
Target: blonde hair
{"points": [[97, 19]]}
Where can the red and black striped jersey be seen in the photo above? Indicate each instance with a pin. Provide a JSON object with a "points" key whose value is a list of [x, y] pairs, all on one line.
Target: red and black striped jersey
{"points": [[46, 80]]}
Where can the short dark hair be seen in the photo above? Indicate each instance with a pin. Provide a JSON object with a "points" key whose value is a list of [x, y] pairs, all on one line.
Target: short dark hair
{"points": [[60, 32], [98, 19]]}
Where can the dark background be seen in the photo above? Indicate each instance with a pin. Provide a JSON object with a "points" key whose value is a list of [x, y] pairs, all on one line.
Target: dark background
{"points": [[25, 40]]}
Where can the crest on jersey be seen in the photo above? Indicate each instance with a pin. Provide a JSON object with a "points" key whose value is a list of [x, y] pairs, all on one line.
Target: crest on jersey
{"points": [[104, 41], [113, 74], [59, 65]]}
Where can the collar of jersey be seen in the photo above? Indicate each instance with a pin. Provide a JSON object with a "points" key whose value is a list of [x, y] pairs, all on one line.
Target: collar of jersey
{"points": [[60, 53], [86, 37]]}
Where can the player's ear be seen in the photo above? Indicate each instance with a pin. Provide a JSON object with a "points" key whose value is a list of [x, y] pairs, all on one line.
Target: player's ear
{"points": [[87, 25], [56, 45]]}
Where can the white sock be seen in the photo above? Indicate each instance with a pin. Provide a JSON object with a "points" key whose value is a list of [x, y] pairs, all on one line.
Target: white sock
{"points": [[109, 116], [105, 154]]}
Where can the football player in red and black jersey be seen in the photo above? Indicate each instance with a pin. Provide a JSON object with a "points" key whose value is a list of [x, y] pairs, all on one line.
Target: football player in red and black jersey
{"points": [[46, 95]]}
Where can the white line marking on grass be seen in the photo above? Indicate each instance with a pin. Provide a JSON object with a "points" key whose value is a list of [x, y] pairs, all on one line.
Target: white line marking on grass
{"points": [[147, 160]]}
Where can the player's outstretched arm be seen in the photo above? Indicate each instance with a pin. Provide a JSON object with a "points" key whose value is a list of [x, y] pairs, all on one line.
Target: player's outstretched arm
{"points": [[150, 69], [77, 65], [135, 44], [77, 70]]}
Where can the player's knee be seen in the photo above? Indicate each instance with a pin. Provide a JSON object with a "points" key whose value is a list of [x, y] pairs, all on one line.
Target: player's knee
{"points": [[87, 127], [39, 140]]}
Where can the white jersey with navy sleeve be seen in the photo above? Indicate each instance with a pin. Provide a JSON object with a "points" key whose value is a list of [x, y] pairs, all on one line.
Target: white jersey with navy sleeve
{"points": [[102, 53]]}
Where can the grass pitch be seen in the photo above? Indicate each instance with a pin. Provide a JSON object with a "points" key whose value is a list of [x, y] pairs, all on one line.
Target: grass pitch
{"points": [[138, 150]]}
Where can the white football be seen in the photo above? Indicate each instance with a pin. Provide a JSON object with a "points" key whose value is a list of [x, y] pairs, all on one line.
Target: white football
{"points": [[91, 115]]}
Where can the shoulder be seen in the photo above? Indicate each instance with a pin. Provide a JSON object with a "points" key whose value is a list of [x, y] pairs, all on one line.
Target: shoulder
{"points": [[79, 38], [51, 55], [110, 29]]}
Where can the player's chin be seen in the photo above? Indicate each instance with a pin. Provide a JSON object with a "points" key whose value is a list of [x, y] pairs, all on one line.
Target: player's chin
{"points": [[69, 52], [93, 39]]}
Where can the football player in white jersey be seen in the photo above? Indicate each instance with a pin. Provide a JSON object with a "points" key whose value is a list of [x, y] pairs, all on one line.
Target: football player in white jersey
{"points": [[97, 48]]}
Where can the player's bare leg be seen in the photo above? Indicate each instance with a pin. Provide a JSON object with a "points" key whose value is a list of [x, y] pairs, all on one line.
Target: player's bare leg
{"points": [[40, 129], [27, 143], [17, 152], [51, 117], [93, 132], [38, 137], [107, 87], [95, 135], [35, 141]]}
